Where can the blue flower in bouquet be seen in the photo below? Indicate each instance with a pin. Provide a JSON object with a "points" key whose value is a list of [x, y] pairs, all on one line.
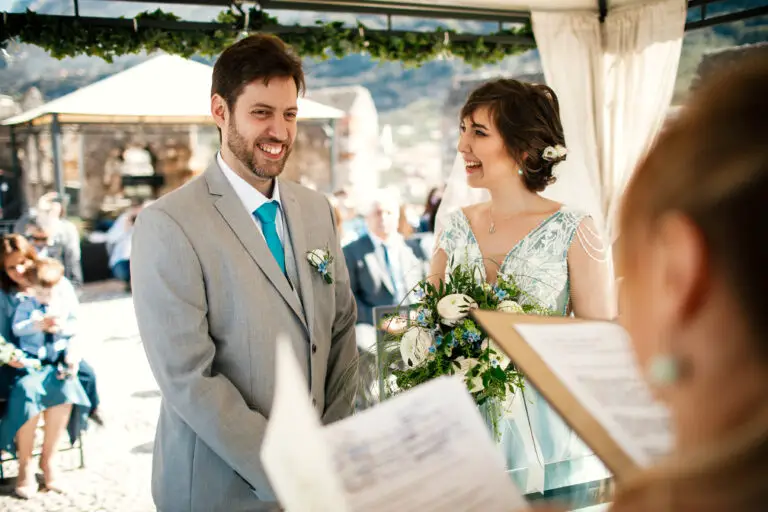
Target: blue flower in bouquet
{"points": [[444, 339], [424, 317], [471, 337]]}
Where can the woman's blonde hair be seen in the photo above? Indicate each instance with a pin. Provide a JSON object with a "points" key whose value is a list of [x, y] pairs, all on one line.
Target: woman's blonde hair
{"points": [[711, 164]]}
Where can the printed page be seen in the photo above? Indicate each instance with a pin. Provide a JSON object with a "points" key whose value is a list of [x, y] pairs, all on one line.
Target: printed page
{"points": [[594, 360], [426, 450], [295, 454]]}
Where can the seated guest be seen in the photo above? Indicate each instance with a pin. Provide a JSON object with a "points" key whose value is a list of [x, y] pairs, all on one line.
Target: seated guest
{"points": [[382, 268], [44, 390], [119, 244], [62, 240], [37, 237], [427, 220], [17, 259], [45, 322], [423, 243]]}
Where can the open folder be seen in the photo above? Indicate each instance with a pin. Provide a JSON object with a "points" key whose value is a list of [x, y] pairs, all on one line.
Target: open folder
{"points": [[588, 374], [426, 450]]}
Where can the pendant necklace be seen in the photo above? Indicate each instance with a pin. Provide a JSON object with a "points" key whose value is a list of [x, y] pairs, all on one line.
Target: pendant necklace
{"points": [[492, 227]]}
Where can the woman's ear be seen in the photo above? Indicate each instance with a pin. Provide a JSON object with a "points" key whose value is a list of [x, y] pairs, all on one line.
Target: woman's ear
{"points": [[686, 278]]}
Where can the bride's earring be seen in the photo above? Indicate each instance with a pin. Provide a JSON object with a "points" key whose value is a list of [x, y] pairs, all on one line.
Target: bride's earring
{"points": [[664, 370], [520, 172]]}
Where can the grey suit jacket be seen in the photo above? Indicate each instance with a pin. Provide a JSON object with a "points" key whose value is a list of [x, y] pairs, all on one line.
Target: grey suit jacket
{"points": [[370, 282], [210, 301]]}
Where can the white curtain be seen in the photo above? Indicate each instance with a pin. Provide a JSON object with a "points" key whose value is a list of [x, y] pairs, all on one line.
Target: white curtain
{"points": [[615, 82], [642, 51], [570, 48]]}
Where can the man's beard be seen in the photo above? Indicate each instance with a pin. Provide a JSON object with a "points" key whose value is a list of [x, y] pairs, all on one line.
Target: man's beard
{"points": [[250, 156]]}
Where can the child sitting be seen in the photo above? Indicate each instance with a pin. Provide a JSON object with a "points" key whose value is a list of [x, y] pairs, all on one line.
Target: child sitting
{"points": [[45, 322]]}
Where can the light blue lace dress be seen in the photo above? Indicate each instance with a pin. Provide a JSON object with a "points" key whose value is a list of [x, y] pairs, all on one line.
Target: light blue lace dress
{"points": [[539, 265]]}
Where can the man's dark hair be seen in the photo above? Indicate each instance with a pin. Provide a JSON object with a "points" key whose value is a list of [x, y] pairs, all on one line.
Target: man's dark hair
{"points": [[257, 57]]}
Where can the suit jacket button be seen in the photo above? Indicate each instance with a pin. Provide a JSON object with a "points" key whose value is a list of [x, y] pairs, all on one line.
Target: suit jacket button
{"points": [[314, 348], [314, 403]]}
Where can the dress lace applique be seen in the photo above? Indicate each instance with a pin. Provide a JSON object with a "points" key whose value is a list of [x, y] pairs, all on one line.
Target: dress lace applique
{"points": [[539, 262]]}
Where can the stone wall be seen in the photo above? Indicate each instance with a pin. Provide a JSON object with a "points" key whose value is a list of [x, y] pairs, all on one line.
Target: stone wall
{"points": [[178, 152]]}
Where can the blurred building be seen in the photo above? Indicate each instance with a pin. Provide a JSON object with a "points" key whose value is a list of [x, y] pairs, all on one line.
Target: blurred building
{"points": [[157, 137], [357, 135]]}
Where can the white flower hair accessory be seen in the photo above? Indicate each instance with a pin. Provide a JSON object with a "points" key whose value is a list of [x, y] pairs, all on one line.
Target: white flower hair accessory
{"points": [[554, 153]]}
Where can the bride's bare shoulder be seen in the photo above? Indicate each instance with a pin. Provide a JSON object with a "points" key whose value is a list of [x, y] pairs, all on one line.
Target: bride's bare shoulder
{"points": [[473, 211], [551, 205]]}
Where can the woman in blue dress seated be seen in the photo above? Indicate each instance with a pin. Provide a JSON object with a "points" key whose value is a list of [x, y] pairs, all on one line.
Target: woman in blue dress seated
{"points": [[37, 314]]}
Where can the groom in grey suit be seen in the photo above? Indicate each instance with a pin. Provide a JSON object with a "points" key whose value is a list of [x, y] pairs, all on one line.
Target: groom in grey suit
{"points": [[219, 269]]}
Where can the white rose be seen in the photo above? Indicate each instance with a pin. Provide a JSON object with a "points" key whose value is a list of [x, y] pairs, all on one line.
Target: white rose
{"points": [[455, 307], [414, 345], [317, 256], [549, 153], [510, 306]]}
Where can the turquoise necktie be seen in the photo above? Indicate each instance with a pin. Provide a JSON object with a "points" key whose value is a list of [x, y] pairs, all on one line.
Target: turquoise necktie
{"points": [[267, 214]]}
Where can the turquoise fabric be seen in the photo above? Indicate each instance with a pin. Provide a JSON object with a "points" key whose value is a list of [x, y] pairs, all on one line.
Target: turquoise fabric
{"points": [[539, 265], [267, 214]]}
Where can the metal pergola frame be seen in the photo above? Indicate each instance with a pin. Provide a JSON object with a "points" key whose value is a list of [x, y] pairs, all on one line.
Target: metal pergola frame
{"points": [[389, 9], [395, 8]]}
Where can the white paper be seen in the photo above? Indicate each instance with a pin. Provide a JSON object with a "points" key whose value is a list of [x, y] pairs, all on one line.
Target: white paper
{"points": [[426, 450], [295, 455], [594, 360]]}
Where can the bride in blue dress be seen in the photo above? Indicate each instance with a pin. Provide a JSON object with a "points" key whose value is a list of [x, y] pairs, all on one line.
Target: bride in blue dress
{"points": [[510, 143]]}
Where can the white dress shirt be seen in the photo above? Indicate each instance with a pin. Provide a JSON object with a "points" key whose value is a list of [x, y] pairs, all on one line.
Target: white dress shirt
{"points": [[252, 199]]}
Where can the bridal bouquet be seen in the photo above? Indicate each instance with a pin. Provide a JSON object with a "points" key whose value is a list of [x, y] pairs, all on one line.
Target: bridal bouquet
{"points": [[441, 339]]}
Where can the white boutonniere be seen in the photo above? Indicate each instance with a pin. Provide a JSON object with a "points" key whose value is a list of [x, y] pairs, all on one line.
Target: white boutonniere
{"points": [[321, 260]]}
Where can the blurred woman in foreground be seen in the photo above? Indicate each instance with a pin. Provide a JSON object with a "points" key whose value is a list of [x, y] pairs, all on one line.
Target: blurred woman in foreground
{"points": [[694, 257], [694, 260]]}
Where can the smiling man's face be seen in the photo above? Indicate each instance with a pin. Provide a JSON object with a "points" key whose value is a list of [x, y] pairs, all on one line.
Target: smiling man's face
{"points": [[258, 131]]}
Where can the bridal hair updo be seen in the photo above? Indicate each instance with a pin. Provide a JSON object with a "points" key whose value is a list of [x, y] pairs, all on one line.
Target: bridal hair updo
{"points": [[528, 118]]}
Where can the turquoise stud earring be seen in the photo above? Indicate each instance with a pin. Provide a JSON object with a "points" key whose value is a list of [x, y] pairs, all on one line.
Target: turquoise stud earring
{"points": [[663, 370]]}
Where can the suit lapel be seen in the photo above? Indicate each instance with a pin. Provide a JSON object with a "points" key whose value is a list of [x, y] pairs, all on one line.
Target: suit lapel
{"points": [[377, 267], [231, 209], [295, 224]]}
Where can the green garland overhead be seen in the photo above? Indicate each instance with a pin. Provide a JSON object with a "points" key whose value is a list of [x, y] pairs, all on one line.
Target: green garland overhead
{"points": [[67, 36]]}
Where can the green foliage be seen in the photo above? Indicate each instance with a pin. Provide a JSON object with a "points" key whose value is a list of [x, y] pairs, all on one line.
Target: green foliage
{"points": [[67, 37], [461, 346]]}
